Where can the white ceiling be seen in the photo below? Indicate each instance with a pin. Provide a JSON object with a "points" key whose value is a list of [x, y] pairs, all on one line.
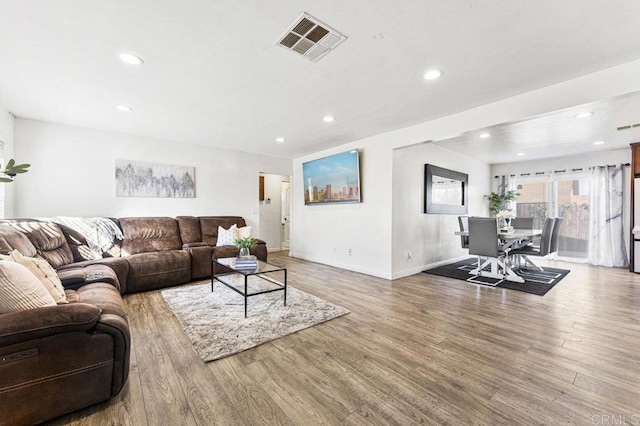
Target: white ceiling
{"points": [[556, 134], [213, 75]]}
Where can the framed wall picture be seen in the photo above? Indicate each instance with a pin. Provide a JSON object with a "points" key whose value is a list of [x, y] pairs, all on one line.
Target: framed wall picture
{"points": [[333, 179], [140, 179]]}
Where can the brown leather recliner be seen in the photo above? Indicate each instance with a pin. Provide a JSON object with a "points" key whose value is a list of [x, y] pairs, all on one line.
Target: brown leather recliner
{"points": [[58, 359]]}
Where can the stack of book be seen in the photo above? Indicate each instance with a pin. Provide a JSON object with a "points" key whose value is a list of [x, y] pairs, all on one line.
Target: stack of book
{"points": [[248, 262]]}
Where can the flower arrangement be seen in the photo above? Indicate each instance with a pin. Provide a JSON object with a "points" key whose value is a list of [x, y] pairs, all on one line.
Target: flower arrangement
{"points": [[505, 214]]}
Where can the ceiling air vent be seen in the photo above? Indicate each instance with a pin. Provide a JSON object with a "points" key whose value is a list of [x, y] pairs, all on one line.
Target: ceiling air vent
{"points": [[310, 38], [629, 126]]}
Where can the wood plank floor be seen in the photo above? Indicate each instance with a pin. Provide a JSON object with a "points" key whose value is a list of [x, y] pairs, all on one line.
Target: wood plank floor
{"points": [[422, 349]]}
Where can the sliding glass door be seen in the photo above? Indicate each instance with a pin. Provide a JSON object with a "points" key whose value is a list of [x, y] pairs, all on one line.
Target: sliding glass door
{"points": [[572, 200], [565, 196]]}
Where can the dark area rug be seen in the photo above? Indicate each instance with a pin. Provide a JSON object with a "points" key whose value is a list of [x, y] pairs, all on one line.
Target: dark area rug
{"points": [[536, 282]]}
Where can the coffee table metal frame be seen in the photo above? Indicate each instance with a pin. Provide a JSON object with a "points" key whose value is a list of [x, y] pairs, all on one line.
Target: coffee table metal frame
{"points": [[260, 271]]}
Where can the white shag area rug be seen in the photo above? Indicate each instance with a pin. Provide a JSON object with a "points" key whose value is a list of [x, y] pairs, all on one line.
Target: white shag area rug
{"points": [[215, 322]]}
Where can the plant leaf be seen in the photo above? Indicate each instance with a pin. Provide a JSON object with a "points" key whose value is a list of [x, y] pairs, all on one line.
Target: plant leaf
{"points": [[10, 164], [4, 179]]}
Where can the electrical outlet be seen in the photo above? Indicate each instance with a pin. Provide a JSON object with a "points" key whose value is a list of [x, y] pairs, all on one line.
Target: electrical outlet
{"points": [[349, 252]]}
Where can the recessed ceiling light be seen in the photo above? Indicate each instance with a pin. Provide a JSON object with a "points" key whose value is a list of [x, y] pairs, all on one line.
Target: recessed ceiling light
{"points": [[520, 154], [598, 143], [484, 135], [280, 140], [328, 119], [432, 74], [124, 108], [584, 114], [130, 58]]}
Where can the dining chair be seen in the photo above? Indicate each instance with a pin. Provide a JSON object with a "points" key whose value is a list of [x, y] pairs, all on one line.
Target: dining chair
{"points": [[541, 250], [483, 242], [553, 246], [522, 222], [463, 221]]}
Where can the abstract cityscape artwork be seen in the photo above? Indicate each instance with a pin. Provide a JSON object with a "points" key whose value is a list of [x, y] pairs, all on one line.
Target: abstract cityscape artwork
{"points": [[140, 179], [333, 179]]}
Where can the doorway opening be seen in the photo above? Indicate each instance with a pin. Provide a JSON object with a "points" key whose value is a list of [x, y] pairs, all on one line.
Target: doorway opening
{"points": [[275, 210]]}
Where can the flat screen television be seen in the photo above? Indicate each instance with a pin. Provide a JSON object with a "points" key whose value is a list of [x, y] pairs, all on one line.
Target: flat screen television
{"points": [[333, 179]]}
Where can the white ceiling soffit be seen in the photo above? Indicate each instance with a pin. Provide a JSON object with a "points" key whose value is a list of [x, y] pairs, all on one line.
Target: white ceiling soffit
{"points": [[310, 38]]}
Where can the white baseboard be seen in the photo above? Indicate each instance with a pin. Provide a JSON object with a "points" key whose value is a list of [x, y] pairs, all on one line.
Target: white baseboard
{"points": [[340, 265], [379, 274], [418, 269]]}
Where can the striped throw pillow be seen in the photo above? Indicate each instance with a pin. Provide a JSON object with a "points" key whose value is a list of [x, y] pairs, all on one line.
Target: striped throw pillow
{"points": [[20, 289], [44, 272]]}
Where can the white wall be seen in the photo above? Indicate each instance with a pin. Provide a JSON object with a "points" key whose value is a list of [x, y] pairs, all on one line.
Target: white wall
{"points": [[429, 238], [324, 233], [7, 136], [73, 173], [271, 211]]}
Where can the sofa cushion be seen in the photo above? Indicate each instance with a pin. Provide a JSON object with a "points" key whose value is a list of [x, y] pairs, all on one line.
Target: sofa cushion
{"points": [[20, 289], [78, 245], [189, 229], [149, 234], [209, 226], [148, 271], [11, 238], [48, 239], [43, 272], [101, 295]]}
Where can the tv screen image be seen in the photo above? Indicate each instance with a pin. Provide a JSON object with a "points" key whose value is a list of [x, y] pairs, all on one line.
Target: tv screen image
{"points": [[333, 179]]}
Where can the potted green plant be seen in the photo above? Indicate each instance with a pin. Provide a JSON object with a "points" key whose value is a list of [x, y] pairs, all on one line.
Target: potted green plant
{"points": [[497, 201], [245, 244], [11, 169]]}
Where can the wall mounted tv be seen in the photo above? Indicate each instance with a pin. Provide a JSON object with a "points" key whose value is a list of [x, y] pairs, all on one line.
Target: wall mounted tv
{"points": [[333, 179]]}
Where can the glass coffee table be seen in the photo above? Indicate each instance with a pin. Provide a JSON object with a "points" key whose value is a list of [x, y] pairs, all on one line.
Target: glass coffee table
{"points": [[248, 282]]}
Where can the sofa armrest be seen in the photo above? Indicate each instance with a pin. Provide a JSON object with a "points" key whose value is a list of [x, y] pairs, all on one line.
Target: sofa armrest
{"points": [[200, 261], [72, 277], [118, 328], [119, 265], [192, 245], [41, 322]]}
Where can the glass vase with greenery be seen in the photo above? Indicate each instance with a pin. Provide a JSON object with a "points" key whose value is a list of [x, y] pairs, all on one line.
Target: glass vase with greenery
{"points": [[245, 244]]}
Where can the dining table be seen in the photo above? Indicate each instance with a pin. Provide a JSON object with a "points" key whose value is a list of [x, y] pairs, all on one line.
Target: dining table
{"points": [[508, 240]]}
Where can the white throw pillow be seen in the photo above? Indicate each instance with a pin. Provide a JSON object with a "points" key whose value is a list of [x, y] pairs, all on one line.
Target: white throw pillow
{"points": [[20, 289], [44, 272], [244, 232], [226, 237]]}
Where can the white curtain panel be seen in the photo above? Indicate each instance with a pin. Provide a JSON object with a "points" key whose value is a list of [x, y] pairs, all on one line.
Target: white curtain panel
{"points": [[607, 242]]}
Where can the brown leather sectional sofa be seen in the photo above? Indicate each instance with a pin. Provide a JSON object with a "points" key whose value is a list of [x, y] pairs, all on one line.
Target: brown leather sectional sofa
{"points": [[58, 359]]}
